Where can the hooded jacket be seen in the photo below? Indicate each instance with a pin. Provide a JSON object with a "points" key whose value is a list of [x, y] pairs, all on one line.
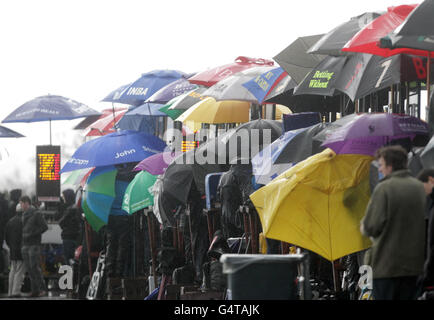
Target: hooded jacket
{"points": [[395, 220], [34, 225], [14, 236]]}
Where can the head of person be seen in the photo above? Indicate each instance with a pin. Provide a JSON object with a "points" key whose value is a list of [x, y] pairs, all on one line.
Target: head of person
{"points": [[25, 203], [391, 158], [68, 197], [427, 178]]}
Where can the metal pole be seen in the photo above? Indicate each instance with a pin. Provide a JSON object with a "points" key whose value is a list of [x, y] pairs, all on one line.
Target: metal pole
{"points": [[50, 132], [152, 244], [428, 79]]}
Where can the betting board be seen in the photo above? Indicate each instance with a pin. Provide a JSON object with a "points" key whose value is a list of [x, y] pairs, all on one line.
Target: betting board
{"points": [[48, 173]]}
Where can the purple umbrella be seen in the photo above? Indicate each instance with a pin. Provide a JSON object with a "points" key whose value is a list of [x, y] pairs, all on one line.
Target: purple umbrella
{"points": [[365, 133], [171, 91], [157, 163]]}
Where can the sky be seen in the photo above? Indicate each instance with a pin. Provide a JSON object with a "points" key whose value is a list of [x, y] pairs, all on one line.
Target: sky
{"points": [[84, 49]]}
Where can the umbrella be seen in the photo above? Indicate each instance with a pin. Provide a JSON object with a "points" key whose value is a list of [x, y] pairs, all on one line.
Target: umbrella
{"points": [[367, 132], [105, 124], [333, 41], [210, 77], [231, 88], [272, 82], [211, 111], [138, 194], [78, 177], [144, 87], [157, 163], [172, 90], [189, 99], [9, 133], [318, 204], [239, 144], [86, 122], [295, 59], [115, 148], [367, 39], [356, 75], [414, 35], [48, 108], [98, 196], [292, 147]]}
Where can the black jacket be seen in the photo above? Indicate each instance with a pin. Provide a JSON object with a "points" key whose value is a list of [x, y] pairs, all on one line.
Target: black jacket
{"points": [[14, 236], [34, 225], [70, 223]]}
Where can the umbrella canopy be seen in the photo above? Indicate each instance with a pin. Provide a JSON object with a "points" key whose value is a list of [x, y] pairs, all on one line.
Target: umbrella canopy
{"points": [[333, 41], [50, 107], [210, 77], [105, 124], [98, 196], [115, 148], [172, 90], [189, 99], [231, 88], [367, 39], [157, 163], [239, 144], [318, 204], [211, 111], [365, 133], [292, 147], [144, 87], [295, 59], [85, 123], [8, 133], [138, 194], [78, 177], [356, 75], [271, 82]]}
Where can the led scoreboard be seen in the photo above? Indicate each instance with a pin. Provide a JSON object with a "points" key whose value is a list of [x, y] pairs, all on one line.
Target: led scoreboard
{"points": [[48, 173]]}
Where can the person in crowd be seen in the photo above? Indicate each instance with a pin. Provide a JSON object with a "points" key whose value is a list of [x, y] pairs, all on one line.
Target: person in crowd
{"points": [[119, 227], [14, 199], [34, 225], [13, 237], [427, 178], [4, 217], [394, 221], [69, 221]]}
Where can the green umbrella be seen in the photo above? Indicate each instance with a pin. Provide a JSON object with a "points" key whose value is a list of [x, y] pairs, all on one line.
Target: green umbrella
{"points": [[139, 192], [172, 113]]}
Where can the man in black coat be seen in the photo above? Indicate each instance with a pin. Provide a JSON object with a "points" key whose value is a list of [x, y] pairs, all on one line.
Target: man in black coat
{"points": [[13, 237], [4, 217]]}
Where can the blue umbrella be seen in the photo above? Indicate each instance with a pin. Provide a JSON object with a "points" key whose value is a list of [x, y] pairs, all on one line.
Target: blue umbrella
{"points": [[143, 118], [260, 86], [8, 133], [292, 147], [50, 107], [144, 87], [119, 147]]}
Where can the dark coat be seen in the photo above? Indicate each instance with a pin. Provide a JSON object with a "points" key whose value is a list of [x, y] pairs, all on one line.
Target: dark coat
{"points": [[14, 236], [395, 219], [70, 223], [34, 225]]}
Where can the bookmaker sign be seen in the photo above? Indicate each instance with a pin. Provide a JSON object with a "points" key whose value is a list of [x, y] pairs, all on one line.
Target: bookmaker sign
{"points": [[48, 173]]}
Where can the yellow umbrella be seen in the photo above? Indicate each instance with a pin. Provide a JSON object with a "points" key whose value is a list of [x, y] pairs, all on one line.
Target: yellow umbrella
{"points": [[281, 110], [211, 111], [318, 204]]}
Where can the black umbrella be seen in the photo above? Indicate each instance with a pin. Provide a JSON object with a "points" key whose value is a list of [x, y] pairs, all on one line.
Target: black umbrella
{"points": [[357, 75], [295, 59], [333, 41], [190, 99]]}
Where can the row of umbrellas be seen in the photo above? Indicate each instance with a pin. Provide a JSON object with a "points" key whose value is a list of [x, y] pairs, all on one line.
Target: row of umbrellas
{"points": [[328, 161]]}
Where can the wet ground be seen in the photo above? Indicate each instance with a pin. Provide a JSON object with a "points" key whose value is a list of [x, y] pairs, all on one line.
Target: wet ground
{"points": [[51, 295]]}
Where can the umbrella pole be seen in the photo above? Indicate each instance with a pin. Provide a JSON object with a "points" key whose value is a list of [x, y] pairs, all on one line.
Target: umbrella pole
{"points": [[50, 131], [334, 277]]}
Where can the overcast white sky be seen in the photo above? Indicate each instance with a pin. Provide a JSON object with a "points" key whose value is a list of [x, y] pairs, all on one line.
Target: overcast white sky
{"points": [[84, 49]]}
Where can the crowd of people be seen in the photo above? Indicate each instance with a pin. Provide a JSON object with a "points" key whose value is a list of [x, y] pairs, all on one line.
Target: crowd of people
{"points": [[398, 219]]}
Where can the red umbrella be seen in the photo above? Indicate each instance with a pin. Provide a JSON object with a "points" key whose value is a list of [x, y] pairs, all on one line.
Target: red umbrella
{"points": [[210, 77], [367, 39], [104, 125]]}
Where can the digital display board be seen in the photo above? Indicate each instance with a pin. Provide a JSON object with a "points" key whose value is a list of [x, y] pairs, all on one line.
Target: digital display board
{"points": [[48, 173]]}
